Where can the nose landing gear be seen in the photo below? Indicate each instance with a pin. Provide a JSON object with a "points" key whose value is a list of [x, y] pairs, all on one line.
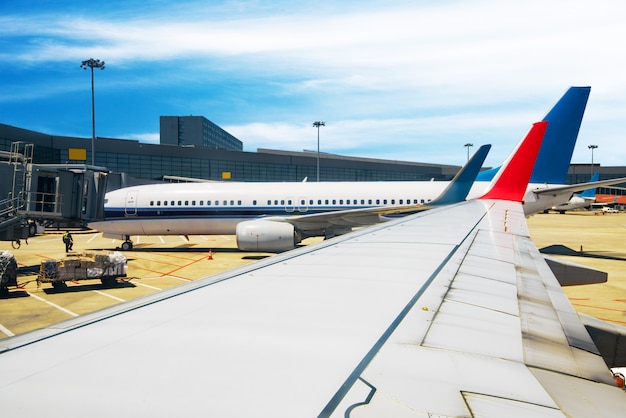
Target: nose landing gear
{"points": [[127, 245]]}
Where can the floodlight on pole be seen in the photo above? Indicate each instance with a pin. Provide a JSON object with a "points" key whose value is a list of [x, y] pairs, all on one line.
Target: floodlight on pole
{"points": [[92, 63], [468, 145], [317, 125], [592, 147]]}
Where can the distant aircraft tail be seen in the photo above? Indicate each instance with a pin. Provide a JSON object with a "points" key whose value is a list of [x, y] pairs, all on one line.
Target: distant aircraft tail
{"points": [[558, 144], [590, 193], [511, 181]]}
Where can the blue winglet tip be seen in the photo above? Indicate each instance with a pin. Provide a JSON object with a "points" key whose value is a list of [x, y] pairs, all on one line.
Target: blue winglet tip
{"points": [[460, 186]]}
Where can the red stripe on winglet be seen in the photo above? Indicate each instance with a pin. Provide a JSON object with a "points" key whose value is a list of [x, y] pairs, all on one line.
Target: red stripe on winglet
{"points": [[512, 182]]}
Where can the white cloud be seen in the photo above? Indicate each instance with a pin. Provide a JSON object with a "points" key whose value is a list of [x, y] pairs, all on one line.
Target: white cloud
{"points": [[404, 73]]}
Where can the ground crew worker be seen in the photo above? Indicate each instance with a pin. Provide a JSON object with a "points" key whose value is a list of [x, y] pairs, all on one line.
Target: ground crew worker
{"points": [[69, 242]]}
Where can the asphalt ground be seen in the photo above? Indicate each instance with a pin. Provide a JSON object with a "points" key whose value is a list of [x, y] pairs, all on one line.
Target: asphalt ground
{"points": [[159, 263], [595, 240]]}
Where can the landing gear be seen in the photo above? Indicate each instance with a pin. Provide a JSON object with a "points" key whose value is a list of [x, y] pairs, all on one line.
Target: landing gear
{"points": [[127, 245]]}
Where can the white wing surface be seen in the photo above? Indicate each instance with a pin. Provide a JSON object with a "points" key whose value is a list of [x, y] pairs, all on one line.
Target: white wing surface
{"points": [[451, 312]]}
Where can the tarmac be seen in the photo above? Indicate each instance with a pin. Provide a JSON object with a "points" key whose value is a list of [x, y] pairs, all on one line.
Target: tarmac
{"points": [[161, 262]]}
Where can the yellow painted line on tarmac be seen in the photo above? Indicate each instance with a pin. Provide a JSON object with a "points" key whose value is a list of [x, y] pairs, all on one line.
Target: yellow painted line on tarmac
{"points": [[6, 331], [54, 305], [109, 296]]}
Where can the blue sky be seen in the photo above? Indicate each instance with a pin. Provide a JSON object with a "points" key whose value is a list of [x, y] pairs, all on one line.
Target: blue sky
{"points": [[402, 80]]}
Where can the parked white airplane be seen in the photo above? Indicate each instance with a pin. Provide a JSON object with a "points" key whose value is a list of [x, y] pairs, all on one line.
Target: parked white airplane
{"points": [[450, 312], [205, 210], [579, 200]]}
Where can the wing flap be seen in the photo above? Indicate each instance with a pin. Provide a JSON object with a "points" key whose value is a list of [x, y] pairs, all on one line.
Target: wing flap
{"points": [[581, 397]]}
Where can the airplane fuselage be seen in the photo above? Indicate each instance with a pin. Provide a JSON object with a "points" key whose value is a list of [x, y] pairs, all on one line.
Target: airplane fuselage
{"points": [[217, 208]]}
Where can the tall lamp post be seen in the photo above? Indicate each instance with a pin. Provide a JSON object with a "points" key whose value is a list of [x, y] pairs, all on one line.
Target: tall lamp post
{"points": [[317, 125], [468, 145], [92, 63], [592, 147]]}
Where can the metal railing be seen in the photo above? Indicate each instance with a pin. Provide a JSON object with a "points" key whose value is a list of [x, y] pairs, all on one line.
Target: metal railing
{"points": [[42, 205]]}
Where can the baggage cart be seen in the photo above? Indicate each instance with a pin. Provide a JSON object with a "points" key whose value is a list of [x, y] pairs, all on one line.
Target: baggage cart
{"points": [[105, 266]]}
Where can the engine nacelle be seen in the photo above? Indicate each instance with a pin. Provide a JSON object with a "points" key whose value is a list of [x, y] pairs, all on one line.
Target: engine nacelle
{"points": [[270, 236]]}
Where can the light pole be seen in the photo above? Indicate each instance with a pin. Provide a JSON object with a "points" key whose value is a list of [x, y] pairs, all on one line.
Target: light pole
{"points": [[468, 145], [592, 147], [92, 63], [317, 125]]}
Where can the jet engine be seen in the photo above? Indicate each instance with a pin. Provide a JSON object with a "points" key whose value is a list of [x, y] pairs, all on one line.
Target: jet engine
{"points": [[270, 236]]}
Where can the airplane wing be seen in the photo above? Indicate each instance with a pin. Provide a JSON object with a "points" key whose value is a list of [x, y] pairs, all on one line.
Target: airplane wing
{"points": [[573, 188], [449, 312], [265, 234], [457, 191]]}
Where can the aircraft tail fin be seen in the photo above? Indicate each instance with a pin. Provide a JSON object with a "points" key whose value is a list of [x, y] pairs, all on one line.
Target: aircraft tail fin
{"points": [[590, 193], [459, 187], [512, 180], [558, 144]]}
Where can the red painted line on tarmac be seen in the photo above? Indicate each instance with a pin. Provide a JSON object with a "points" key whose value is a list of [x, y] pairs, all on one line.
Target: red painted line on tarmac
{"points": [[160, 273], [180, 257], [619, 300], [159, 261], [187, 265], [44, 257]]}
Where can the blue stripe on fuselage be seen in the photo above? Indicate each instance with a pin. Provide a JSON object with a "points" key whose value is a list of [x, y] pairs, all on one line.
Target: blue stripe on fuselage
{"points": [[111, 214]]}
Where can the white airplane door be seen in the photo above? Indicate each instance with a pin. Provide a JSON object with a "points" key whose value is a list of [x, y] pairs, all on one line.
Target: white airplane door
{"points": [[131, 204]]}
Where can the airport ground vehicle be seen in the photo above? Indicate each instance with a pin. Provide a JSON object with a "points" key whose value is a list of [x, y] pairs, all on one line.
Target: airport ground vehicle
{"points": [[106, 266], [607, 209]]}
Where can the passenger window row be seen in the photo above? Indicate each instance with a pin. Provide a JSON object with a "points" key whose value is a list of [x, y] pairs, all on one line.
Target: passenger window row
{"points": [[289, 202], [193, 203]]}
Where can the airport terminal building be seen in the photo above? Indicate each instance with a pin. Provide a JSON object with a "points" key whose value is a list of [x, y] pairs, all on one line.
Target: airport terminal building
{"points": [[194, 147], [196, 131], [218, 159]]}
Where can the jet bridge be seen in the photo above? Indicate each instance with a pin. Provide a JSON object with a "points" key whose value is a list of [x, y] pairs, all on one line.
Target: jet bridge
{"points": [[47, 194]]}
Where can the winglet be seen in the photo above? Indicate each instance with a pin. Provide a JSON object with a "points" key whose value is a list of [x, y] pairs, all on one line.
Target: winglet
{"points": [[459, 187], [511, 181]]}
